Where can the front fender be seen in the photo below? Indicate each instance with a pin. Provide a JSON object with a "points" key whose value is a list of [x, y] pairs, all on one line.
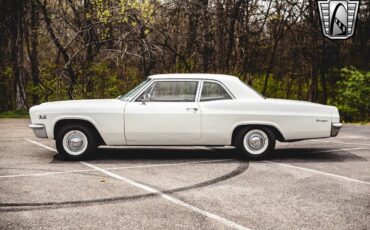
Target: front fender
{"points": [[50, 129]]}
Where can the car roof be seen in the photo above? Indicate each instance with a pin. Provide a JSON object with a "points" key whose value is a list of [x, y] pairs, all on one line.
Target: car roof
{"points": [[233, 84], [219, 77]]}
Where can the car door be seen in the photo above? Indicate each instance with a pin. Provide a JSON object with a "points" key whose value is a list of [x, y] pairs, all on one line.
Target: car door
{"points": [[166, 113], [216, 104]]}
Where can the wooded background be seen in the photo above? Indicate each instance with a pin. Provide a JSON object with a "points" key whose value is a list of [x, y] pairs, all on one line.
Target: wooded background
{"points": [[72, 49]]}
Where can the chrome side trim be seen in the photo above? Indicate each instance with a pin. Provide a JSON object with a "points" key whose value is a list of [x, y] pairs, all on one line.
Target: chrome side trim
{"points": [[39, 130], [335, 128], [36, 126], [337, 125]]}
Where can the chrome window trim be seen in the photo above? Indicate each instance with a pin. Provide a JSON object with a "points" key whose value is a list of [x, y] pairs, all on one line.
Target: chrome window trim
{"points": [[200, 85], [222, 85], [154, 81]]}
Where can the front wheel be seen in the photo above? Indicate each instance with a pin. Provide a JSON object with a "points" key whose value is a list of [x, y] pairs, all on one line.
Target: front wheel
{"points": [[255, 142], [76, 142]]}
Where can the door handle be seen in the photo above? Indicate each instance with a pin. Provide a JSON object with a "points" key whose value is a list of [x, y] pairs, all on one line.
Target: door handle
{"points": [[194, 109]]}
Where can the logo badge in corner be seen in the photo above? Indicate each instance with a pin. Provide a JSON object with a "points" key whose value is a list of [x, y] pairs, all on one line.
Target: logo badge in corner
{"points": [[42, 117], [338, 18]]}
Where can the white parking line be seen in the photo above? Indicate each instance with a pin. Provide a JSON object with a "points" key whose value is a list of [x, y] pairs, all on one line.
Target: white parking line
{"points": [[169, 198], [44, 174], [161, 194], [338, 150], [112, 168], [42, 145], [319, 172], [340, 142]]}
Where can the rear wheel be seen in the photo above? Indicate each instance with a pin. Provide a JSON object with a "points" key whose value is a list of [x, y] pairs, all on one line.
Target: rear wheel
{"points": [[76, 142], [255, 142]]}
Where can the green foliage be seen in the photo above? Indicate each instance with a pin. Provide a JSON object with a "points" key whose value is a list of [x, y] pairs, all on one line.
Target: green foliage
{"points": [[102, 49], [5, 90], [128, 11], [353, 95], [14, 114], [52, 87], [279, 87], [104, 82]]}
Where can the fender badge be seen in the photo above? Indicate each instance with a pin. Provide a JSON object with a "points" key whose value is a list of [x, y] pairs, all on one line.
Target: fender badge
{"points": [[318, 120], [42, 117]]}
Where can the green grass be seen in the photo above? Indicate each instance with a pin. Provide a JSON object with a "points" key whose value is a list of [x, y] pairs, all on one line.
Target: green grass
{"points": [[14, 114], [358, 123]]}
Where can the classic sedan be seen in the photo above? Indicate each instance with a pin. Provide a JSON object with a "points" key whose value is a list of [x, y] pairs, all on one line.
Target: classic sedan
{"points": [[179, 110]]}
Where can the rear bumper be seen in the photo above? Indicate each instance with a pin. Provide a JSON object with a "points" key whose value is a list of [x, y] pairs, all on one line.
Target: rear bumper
{"points": [[39, 130], [335, 128]]}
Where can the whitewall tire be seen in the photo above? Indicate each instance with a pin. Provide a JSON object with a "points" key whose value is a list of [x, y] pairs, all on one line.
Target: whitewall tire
{"points": [[76, 142], [255, 142]]}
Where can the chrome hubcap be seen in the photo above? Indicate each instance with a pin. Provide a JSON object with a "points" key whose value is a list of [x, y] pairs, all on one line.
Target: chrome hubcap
{"points": [[256, 141], [75, 142]]}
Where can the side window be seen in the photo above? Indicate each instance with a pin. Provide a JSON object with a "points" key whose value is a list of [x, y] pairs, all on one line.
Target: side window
{"points": [[173, 91], [213, 91]]}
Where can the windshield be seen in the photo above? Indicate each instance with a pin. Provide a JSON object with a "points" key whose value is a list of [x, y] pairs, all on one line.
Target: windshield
{"points": [[131, 93]]}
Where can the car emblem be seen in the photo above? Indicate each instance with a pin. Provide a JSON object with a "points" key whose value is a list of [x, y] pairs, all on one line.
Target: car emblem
{"points": [[42, 117], [338, 18]]}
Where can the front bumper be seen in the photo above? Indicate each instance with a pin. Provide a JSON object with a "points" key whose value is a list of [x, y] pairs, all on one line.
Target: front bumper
{"points": [[335, 128], [39, 130]]}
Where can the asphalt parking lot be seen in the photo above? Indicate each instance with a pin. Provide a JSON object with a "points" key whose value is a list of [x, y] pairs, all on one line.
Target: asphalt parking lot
{"points": [[317, 184]]}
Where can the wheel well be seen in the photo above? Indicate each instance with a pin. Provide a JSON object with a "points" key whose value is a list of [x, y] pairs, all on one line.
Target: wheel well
{"points": [[62, 123], [274, 130]]}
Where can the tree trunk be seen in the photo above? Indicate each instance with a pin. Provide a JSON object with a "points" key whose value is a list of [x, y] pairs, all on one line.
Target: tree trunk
{"points": [[192, 29], [61, 49], [314, 40], [324, 71], [16, 56], [231, 39], [270, 66], [35, 73], [207, 36], [219, 37], [88, 39]]}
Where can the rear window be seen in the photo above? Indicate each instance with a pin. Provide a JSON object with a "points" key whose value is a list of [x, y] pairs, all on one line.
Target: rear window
{"points": [[213, 91]]}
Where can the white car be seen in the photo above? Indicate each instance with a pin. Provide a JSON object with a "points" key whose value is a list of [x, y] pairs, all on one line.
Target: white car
{"points": [[183, 109]]}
